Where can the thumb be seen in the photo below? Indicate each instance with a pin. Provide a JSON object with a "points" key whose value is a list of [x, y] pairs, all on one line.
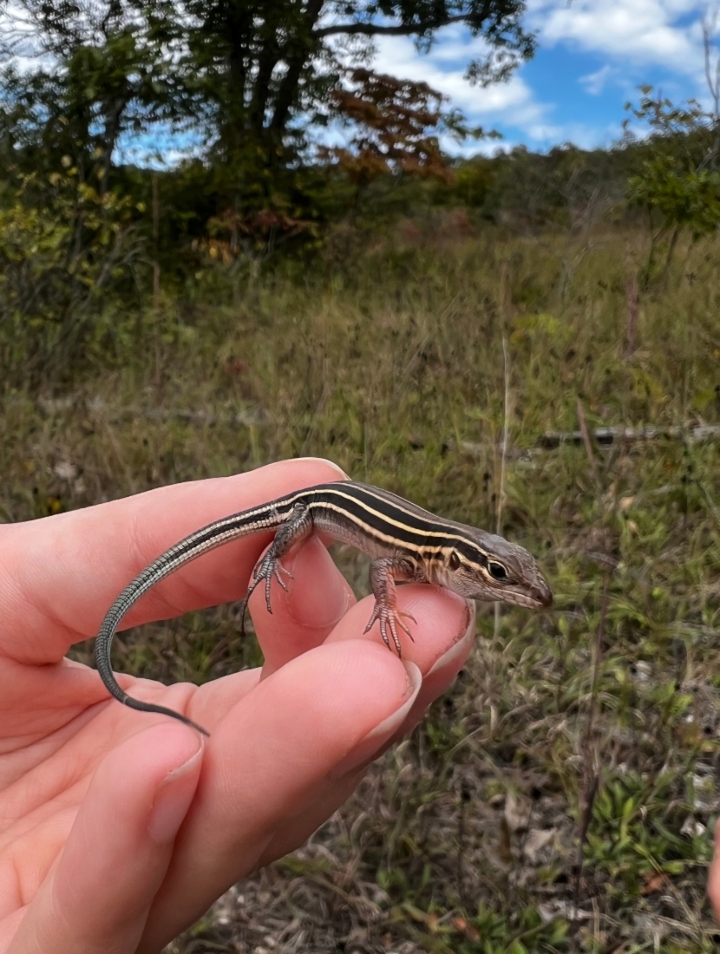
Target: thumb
{"points": [[99, 892]]}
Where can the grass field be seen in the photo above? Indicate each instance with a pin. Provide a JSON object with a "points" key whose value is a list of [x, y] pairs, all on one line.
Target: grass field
{"points": [[590, 732]]}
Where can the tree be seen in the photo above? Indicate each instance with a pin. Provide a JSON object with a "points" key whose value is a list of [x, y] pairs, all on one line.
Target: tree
{"points": [[252, 76], [101, 70], [678, 180]]}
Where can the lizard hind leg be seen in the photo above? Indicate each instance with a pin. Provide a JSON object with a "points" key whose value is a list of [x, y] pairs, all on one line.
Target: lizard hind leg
{"points": [[296, 528]]}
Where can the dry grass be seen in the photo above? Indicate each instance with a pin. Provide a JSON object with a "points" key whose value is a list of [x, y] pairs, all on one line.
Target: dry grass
{"points": [[590, 733]]}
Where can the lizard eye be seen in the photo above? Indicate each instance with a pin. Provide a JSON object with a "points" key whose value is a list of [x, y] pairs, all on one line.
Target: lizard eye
{"points": [[454, 561], [497, 571]]}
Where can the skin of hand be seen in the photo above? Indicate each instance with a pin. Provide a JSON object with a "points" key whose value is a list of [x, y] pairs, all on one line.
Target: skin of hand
{"points": [[118, 829], [713, 886]]}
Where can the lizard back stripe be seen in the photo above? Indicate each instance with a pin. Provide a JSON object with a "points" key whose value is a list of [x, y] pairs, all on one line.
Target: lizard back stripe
{"points": [[393, 519]]}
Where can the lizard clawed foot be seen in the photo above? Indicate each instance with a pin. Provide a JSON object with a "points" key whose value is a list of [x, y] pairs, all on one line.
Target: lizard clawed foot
{"points": [[390, 618], [265, 570]]}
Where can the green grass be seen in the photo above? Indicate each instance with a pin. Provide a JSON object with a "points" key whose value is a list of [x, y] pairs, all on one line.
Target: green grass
{"points": [[601, 716]]}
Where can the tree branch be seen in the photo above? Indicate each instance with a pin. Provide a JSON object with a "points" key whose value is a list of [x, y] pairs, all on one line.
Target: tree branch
{"points": [[403, 29], [295, 63]]}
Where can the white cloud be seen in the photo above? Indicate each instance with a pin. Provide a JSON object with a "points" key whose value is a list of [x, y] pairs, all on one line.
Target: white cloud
{"points": [[594, 83], [662, 33], [512, 102], [632, 36]]}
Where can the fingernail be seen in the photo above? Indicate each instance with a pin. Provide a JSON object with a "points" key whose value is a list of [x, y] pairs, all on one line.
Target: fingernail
{"points": [[459, 647], [371, 744], [173, 798], [328, 463]]}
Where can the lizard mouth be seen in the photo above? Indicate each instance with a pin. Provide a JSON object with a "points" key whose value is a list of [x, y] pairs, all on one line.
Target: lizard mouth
{"points": [[540, 597], [544, 595]]}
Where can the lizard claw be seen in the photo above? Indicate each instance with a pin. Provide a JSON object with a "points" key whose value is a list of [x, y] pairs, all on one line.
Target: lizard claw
{"points": [[405, 629], [264, 571], [277, 570], [390, 618]]}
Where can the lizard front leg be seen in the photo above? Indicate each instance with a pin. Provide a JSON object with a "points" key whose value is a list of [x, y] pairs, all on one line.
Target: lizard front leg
{"points": [[384, 573]]}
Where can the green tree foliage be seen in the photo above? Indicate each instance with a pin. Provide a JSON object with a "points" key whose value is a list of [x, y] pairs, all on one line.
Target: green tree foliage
{"points": [[104, 73], [678, 181], [251, 77], [265, 72]]}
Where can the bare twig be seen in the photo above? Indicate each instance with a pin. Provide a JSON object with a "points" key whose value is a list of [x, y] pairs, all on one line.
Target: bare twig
{"points": [[591, 764], [712, 77], [632, 301], [504, 444], [709, 25], [503, 459], [156, 239], [586, 441]]}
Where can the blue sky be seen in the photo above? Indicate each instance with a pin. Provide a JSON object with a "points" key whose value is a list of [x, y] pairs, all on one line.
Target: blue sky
{"points": [[592, 56]]}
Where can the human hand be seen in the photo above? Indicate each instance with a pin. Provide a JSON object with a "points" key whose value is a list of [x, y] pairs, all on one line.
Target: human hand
{"points": [[713, 885], [118, 829]]}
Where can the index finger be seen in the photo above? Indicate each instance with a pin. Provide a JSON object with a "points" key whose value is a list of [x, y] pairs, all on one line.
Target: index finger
{"points": [[59, 575]]}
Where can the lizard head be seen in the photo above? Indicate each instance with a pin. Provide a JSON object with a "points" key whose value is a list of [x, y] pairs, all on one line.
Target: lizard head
{"points": [[485, 567]]}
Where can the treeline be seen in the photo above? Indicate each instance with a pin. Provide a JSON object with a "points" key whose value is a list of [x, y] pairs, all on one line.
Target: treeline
{"points": [[174, 217]]}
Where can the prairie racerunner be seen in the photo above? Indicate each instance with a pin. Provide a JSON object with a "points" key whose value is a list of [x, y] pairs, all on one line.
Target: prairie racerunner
{"points": [[405, 542]]}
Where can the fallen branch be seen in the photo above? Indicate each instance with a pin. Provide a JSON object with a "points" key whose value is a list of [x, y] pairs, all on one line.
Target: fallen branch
{"points": [[606, 436]]}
